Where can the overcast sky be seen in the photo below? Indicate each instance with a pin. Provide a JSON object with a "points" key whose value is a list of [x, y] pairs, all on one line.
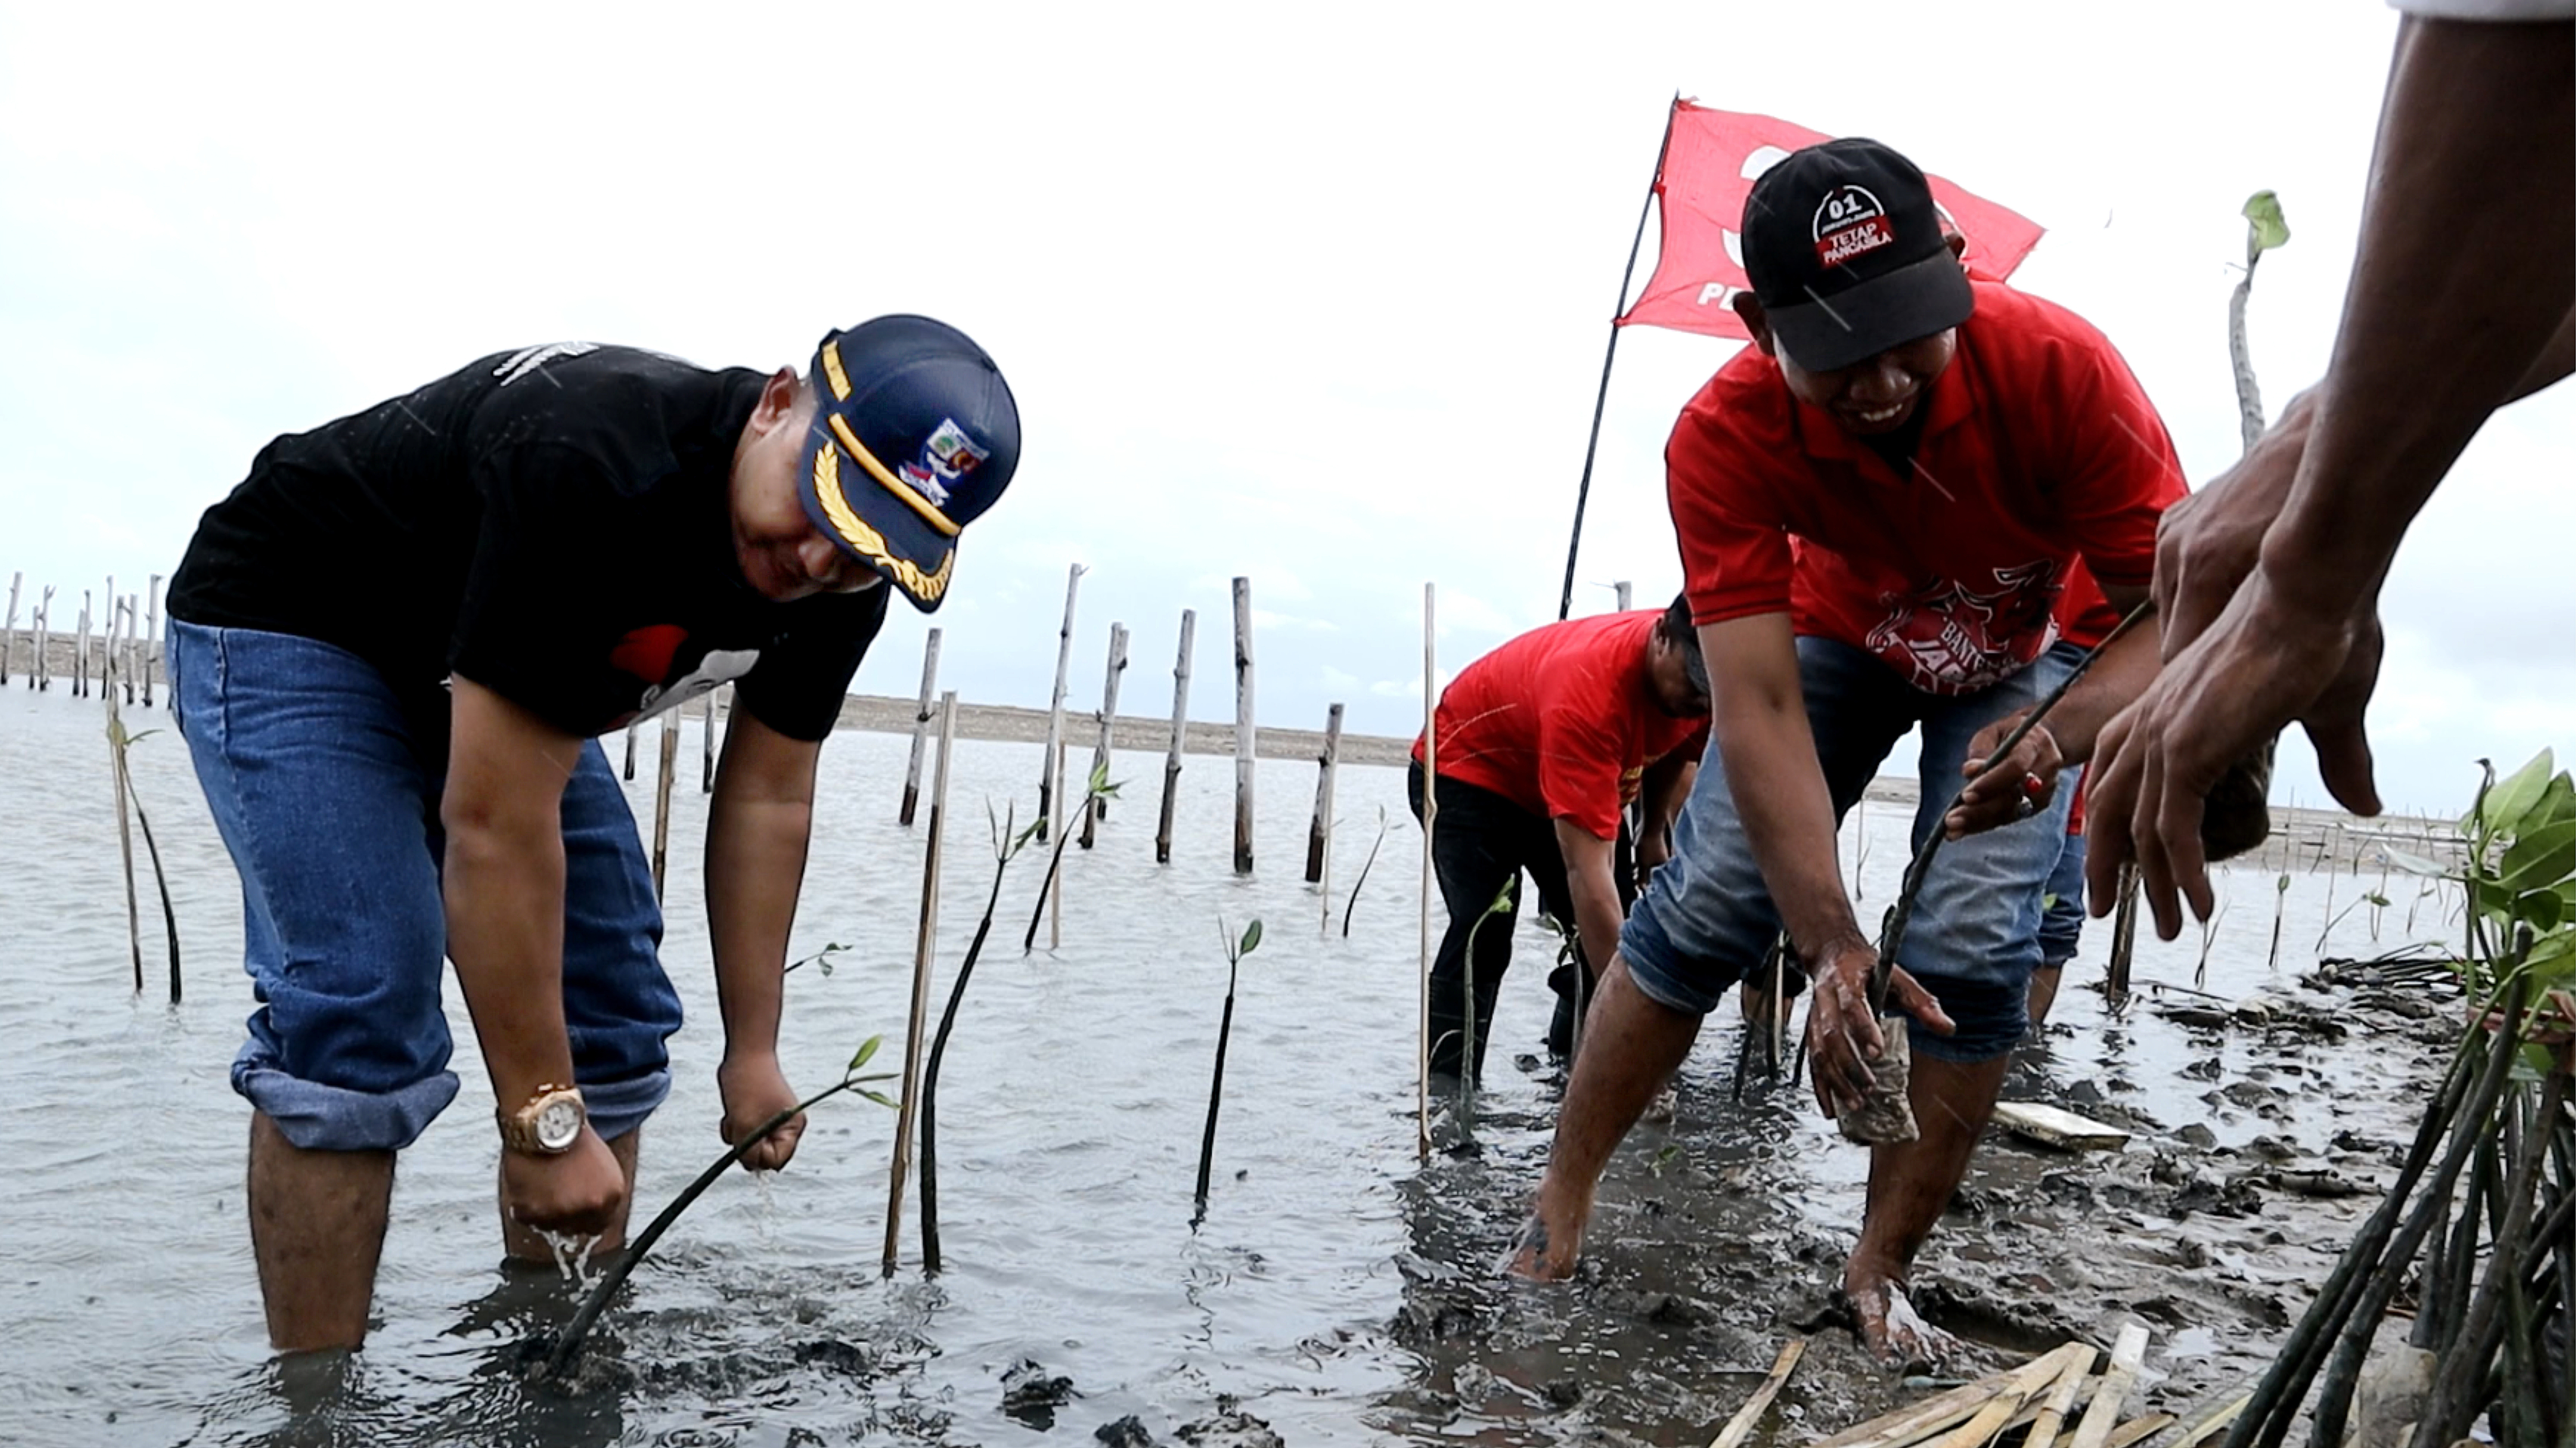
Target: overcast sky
{"points": [[1317, 297]]}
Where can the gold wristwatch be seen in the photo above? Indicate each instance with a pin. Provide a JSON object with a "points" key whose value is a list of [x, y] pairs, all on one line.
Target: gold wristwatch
{"points": [[548, 1124]]}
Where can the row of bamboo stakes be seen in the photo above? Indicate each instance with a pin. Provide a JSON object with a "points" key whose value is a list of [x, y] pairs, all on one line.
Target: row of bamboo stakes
{"points": [[127, 648]]}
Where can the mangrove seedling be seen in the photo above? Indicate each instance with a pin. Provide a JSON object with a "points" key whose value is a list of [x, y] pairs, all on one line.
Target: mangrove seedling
{"points": [[1235, 951], [566, 1349], [1006, 845], [821, 960], [118, 742], [1502, 905], [1353, 902], [1096, 790]]}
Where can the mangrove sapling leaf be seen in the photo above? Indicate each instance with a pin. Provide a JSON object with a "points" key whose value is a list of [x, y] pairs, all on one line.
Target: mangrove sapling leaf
{"points": [[2265, 227], [2501, 810], [1006, 846], [566, 1348], [1353, 902], [1234, 954], [1098, 788], [821, 959]]}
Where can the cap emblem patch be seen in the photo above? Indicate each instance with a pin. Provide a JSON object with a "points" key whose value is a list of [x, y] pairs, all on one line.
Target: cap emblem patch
{"points": [[1848, 222]]}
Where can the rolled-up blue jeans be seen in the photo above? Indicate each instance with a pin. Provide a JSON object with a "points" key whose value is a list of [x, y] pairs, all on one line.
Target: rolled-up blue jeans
{"points": [[310, 771], [1973, 941]]}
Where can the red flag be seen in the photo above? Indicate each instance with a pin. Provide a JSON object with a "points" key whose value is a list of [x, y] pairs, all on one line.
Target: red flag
{"points": [[1710, 161]]}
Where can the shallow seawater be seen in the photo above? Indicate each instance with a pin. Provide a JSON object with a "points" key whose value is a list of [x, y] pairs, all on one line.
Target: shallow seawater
{"points": [[1338, 1290]]}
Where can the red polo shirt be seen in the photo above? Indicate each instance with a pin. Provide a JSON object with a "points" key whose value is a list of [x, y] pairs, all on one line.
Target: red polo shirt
{"points": [[1562, 721], [2038, 449]]}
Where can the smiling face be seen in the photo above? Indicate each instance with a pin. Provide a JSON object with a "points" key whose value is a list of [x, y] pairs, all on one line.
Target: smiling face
{"points": [[783, 556], [1875, 395]]}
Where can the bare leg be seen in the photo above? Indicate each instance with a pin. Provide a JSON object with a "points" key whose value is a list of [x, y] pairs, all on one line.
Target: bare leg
{"points": [[1630, 1045], [524, 1245], [2043, 993], [1909, 1185], [317, 1227]]}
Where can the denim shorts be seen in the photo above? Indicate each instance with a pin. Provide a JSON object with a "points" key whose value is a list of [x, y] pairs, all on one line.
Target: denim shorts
{"points": [[2061, 925], [311, 774], [1706, 917]]}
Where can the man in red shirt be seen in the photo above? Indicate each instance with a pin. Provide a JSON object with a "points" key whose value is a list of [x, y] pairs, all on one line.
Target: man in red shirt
{"points": [[1944, 452], [1543, 743]]}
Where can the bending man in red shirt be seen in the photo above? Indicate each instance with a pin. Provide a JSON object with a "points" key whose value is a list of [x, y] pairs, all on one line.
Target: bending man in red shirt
{"points": [[1542, 743], [1944, 452]]}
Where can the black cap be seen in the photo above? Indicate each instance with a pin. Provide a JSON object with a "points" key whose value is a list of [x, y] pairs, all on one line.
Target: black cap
{"points": [[915, 434], [1843, 244]]}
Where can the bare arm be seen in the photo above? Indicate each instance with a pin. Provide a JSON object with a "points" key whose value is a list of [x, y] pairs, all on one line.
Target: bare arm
{"points": [[1590, 878], [1993, 789], [1760, 724], [758, 826], [2460, 290], [504, 884], [1666, 788]]}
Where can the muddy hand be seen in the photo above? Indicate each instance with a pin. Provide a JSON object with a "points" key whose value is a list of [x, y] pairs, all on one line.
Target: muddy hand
{"points": [[2003, 790], [577, 1192], [1542, 1253]]}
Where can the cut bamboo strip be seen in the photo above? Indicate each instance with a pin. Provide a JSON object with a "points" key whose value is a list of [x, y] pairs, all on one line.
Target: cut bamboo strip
{"points": [[1921, 1420], [662, 797], [2136, 1430], [1243, 731], [2104, 1414], [1740, 1427], [2217, 1420], [921, 721], [1430, 815], [2061, 1398], [1319, 832], [2019, 1387], [1050, 776], [1095, 808]]}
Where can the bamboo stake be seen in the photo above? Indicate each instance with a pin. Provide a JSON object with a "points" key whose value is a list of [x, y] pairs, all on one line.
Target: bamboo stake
{"points": [[1180, 726], [80, 649], [630, 751], [2127, 1353], [921, 717], [707, 742], [151, 638], [1055, 877], [1050, 766], [1108, 721], [1740, 1427], [132, 608], [1919, 1421], [9, 630], [1243, 740], [923, 947], [662, 797], [1430, 816], [43, 618], [2136, 1430], [1623, 593], [124, 835], [1319, 834]]}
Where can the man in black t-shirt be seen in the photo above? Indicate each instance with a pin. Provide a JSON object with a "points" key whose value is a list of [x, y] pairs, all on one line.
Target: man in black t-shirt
{"points": [[392, 648]]}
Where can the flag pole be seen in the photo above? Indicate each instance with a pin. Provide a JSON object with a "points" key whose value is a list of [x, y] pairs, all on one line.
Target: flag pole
{"points": [[1583, 491]]}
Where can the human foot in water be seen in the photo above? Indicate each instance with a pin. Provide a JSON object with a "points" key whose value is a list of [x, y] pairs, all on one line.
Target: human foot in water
{"points": [[1888, 1325]]}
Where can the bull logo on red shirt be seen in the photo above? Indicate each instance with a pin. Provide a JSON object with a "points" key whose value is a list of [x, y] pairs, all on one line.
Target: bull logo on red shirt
{"points": [[1948, 638]]}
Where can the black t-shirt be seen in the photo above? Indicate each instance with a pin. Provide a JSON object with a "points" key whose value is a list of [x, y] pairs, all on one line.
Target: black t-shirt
{"points": [[553, 523]]}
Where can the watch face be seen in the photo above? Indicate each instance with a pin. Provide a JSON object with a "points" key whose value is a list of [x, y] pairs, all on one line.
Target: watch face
{"points": [[558, 1123]]}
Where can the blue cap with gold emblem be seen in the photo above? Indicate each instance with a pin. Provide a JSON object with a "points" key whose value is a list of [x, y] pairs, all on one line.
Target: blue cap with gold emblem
{"points": [[915, 434]]}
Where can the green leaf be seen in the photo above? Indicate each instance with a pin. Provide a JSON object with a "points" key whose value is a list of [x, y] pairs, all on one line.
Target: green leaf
{"points": [[2265, 226], [2552, 958], [2505, 805], [2411, 864], [867, 1048], [1504, 897], [879, 1098], [2539, 858], [139, 738], [2540, 909], [2375, 898], [1251, 937]]}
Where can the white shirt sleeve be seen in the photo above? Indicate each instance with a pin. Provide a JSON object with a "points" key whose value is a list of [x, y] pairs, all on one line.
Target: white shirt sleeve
{"points": [[2487, 9]]}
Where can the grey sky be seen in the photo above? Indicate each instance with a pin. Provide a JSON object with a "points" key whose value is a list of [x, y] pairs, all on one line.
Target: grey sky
{"points": [[1317, 297]]}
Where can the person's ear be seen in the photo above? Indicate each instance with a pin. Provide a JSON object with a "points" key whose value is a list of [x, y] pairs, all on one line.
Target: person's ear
{"points": [[1756, 321], [777, 401]]}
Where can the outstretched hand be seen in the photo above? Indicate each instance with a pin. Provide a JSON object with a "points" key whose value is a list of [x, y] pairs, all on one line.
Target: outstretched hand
{"points": [[2012, 787]]}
